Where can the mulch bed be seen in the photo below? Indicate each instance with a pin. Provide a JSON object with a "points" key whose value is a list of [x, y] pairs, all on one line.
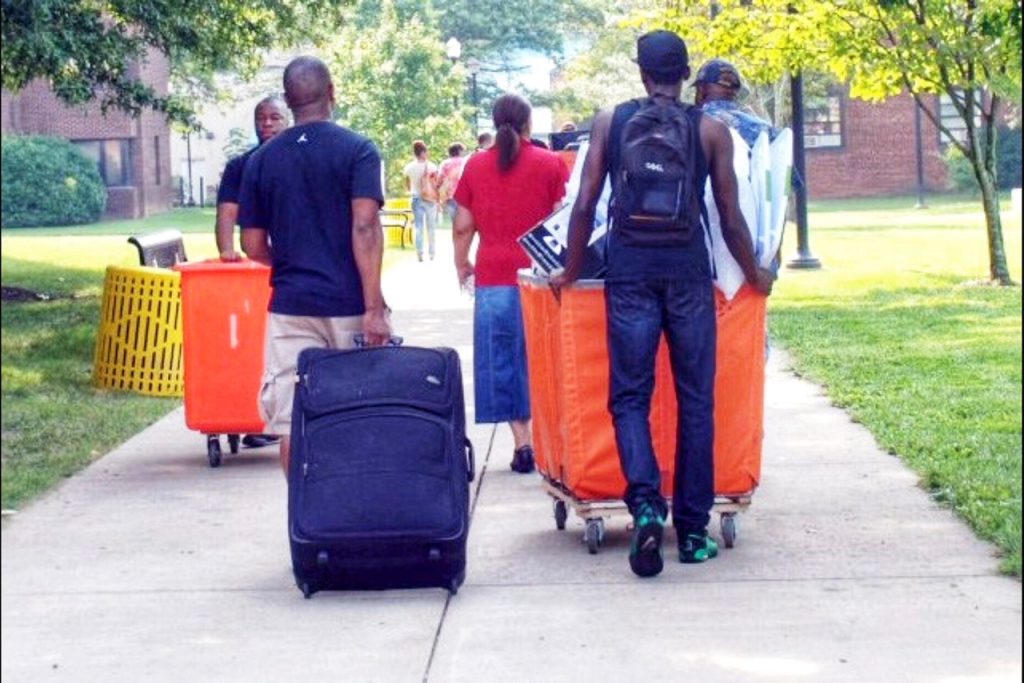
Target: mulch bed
{"points": [[22, 294]]}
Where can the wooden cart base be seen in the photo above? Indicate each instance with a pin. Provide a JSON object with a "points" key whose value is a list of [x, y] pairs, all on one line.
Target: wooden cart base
{"points": [[594, 512]]}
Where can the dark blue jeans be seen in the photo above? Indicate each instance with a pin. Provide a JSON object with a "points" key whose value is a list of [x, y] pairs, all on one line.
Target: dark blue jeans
{"points": [[638, 313]]}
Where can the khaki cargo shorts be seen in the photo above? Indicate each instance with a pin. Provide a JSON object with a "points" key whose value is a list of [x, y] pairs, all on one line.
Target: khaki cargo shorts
{"points": [[286, 336]]}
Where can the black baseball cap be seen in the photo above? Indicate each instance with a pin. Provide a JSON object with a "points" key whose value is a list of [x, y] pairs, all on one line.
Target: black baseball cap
{"points": [[662, 52], [719, 72]]}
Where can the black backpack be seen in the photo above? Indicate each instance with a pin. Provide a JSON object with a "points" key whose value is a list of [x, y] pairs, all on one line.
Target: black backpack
{"points": [[655, 191]]}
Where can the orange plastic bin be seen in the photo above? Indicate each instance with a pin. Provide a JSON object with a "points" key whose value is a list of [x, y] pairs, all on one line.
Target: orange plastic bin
{"points": [[574, 439], [224, 315]]}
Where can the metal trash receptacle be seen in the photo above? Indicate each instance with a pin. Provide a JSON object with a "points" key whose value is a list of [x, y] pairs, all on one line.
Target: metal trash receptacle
{"points": [[139, 344]]}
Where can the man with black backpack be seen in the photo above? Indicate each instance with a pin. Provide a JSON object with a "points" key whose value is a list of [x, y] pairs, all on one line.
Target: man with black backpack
{"points": [[658, 152]]}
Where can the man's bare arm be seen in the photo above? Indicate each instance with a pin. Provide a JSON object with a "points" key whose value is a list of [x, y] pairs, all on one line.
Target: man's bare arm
{"points": [[368, 249], [227, 216], [256, 244], [581, 220], [718, 150]]}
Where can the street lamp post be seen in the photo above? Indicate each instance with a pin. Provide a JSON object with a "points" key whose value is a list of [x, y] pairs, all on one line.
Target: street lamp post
{"points": [[473, 66], [188, 155], [920, 157], [453, 48], [804, 258]]}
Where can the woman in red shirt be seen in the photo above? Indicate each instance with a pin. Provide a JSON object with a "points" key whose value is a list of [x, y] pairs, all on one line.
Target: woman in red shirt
{"points": [[504, 191]]}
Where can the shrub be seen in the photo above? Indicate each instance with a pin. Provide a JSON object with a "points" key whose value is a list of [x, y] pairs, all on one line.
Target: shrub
{"points": [[47, 181], [961, 173], [1008, 163], [1008, 157]]}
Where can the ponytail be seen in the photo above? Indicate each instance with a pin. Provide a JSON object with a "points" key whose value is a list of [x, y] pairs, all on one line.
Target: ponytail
{"points": [[507, 142], [511, 115]]}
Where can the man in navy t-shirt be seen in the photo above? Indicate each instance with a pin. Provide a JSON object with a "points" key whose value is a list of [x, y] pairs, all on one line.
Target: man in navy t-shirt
{"points": [[309, 208], [269, 118]]}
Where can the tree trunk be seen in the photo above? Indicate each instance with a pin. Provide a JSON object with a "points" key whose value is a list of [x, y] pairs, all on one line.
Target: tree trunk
{"points": [[983, 158], [997, 268]]}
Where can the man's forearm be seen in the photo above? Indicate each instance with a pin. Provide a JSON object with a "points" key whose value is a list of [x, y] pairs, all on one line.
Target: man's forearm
{"points": [[581, 225], [368, 250], [737, 239], [227, 214], [256, 246]]}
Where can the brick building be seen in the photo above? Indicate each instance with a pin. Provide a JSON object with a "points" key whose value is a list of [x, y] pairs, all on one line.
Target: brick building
{"points": [[133, 154], [865, 149]]}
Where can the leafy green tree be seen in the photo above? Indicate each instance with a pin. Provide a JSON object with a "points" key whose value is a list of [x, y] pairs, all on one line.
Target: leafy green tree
{"points": [[239, 142], [87, 48], [394, 84], [494, 33], [489, 29], [969, 50]]}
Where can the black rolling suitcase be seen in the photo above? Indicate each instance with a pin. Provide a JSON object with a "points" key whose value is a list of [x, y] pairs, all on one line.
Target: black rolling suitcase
{"points": [[378, 484]]}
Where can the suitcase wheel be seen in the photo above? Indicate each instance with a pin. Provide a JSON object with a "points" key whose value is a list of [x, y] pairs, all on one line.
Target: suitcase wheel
{"points": [[307, 590], [213, 450]]}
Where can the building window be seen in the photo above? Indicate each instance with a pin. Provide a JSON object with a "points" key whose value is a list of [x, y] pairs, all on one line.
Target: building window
{"points": [[823, 120], [953, 122], [112, 157], [156, 157]]}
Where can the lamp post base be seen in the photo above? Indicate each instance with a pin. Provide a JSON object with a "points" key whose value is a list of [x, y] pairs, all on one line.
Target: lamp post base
{"points": [[804, 262]]}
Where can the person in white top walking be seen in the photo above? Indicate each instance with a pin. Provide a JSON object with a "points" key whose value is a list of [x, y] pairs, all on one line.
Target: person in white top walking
{"points": [[421, 182]]}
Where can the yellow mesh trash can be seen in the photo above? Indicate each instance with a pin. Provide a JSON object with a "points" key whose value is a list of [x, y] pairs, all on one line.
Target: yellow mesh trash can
{"points": [[139, 345]]}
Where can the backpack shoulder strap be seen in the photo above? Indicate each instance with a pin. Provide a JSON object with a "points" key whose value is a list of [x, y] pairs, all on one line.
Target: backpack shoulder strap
{"points": [[620, 116]]}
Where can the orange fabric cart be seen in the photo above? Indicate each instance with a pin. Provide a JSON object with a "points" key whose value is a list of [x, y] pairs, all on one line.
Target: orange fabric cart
{"points": [[224, 316], [573, 435]]}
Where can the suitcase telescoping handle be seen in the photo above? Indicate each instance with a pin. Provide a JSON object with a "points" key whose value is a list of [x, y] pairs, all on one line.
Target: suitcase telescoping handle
{"points": [[471, 460], [359, 340]]}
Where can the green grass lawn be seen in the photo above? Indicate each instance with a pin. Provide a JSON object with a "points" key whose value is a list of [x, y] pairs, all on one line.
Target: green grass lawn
{"points": [[903, 333], [54, 422]]}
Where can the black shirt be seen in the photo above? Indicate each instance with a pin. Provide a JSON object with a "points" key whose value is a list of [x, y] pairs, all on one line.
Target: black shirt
{"points": [[299, 187]]}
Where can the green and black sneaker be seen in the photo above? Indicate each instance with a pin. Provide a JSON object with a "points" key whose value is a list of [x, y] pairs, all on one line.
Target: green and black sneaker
{"points": [[697, 547], [645, 552]]}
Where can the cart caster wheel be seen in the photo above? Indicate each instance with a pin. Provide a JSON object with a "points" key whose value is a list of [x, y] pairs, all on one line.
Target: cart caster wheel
{"points": [[561, 514], [233, 440], [729, 530], [593, 535], [213, 451]]}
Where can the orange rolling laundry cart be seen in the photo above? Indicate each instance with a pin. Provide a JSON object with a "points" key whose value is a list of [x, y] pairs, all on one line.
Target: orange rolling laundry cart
{"points": [[574, 440], [224, 315]]}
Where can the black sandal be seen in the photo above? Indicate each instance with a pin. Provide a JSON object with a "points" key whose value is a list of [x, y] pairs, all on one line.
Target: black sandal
{"points": [[522, 460]]}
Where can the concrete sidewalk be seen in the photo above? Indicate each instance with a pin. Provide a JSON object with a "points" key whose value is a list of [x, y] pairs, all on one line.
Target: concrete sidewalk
{"points": [[151, 566]]}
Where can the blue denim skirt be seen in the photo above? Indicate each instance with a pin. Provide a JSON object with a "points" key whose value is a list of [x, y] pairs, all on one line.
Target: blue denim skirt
{"points": [[500, 383]]}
